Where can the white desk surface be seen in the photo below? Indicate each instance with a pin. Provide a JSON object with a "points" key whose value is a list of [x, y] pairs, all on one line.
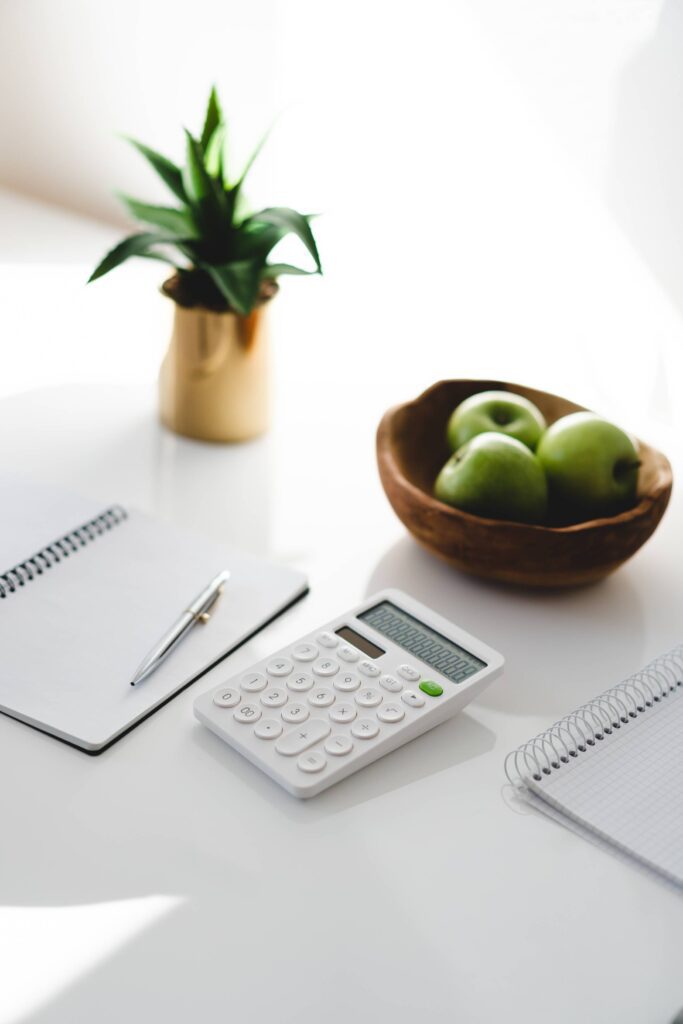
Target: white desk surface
{"points": [[168, 879]]}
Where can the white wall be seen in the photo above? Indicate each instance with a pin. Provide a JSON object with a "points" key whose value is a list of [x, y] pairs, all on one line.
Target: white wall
{"points": [[606, 80], [389, 107], [74, 73]]}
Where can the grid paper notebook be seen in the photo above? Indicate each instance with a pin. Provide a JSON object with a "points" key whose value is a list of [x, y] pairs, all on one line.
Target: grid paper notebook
{"points": [[614, 767], [87, 589]]}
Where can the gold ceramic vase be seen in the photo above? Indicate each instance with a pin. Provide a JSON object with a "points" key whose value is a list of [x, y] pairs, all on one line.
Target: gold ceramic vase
{"points": [[214, 380]]}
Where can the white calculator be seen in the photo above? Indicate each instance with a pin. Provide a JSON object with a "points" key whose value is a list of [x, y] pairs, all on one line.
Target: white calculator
{"points": [[351, 691]]}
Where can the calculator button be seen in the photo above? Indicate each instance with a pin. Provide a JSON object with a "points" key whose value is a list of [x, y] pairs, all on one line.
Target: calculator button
{"points": [[303, 737], [365, 729], [274, 698], [326, 667], [253, 682], [368, 698], [430, 688], [247, 713], [338, 746], [280, 667], [321, 698], [391, 683], [347, 682], [300, 683], [313, 762], [268, 729], [343, 713], [305, 652], [412, 699], [391, 713], [226, 698], [409, 673], [348, 653], [295, 713], [368, 669], [327, 639]]}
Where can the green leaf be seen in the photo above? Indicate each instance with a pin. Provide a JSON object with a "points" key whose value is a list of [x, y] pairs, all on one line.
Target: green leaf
{"points": [[292, 222], [214, 153], [204, 192], [273, 270], [238, 283], [247, 167], [255, 240], [191, 248], [134, 245], [179, 222], [212, 119], [241, 206], [195, 178], [167, 171], [162, 259]]}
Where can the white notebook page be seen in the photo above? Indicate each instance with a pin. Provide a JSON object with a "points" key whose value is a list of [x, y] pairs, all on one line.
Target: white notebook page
{"points": [[628, 789], [71, 638]]}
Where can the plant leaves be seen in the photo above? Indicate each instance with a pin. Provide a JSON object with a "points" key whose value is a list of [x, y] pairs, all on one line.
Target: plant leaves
{"points": [[204, 192], [166, 169], [271, 271], [179, 222], [293, 222], [241, 204], [162, 259], [254, 240], [134, 245], [212, 119], [195, 178], [247, 167], [188, 250], [214, 153], [238, 282]]}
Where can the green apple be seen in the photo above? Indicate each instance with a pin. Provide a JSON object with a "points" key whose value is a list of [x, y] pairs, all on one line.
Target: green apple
{"points": [[495, 476], [501, 411], [591, 466]]}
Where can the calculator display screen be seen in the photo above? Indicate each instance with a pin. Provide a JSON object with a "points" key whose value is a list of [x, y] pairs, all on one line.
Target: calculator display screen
{"points": [[361, 642], [420, 640]]}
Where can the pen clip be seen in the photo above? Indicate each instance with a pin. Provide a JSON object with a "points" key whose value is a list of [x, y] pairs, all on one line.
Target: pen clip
{"points": [[205, 613]]}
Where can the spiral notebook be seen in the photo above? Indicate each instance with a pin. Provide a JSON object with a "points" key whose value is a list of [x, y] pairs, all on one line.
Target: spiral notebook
{"points": [[613, 769], [87, 589]]}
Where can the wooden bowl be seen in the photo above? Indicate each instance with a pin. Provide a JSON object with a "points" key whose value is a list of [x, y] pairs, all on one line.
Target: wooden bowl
{"points": [[412, 448]]}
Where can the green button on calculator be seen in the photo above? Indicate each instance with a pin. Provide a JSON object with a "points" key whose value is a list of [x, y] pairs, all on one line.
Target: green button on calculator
{"points": [[430, 688]]}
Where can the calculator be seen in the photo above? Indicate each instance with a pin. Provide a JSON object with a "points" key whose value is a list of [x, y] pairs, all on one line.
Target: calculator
{"points": [[349, 692]]}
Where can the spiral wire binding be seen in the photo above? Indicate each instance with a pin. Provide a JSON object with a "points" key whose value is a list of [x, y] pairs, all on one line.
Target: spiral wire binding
{"points": [[612, 710], [60, 549]]}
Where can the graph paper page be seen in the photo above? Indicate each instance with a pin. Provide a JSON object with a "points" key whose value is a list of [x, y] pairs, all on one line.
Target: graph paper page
{"points": [[628, 789]]}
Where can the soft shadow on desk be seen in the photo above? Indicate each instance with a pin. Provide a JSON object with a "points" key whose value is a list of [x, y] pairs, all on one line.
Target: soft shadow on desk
{"points": [[460, 739], [144, 860], [556, 643], [222, 490], [72, 875]]}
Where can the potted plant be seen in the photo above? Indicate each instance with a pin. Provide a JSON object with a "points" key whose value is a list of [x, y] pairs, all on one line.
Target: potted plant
{"points": [[213, 383]]}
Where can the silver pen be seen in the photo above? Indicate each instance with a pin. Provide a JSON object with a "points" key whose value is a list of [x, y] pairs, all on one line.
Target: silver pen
{"points": [[198, 611]]}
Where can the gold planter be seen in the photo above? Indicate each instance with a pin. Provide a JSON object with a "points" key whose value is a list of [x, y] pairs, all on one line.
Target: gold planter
{"points": [[214, 380]]}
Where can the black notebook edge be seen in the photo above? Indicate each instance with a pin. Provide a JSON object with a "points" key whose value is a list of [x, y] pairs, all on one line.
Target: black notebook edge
{"points": [[157, 707]]}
